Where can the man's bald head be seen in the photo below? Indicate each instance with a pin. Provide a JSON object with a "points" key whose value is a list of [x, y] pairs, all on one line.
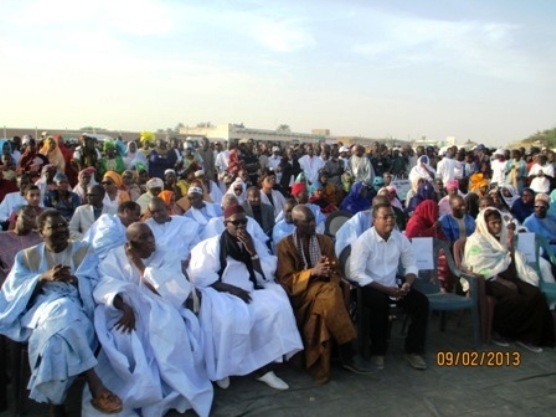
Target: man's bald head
{"points": [[158, 210], [141, 239], [304, 220], [301, 211]]}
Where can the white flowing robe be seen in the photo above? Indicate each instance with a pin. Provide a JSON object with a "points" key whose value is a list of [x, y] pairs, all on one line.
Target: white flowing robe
{"points": [[240, 337], [105, 234], [159, 366], [56, 322], [180, 234]]}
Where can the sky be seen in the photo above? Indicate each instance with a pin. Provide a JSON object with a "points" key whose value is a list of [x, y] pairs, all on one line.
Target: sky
{"points": [[480, 70]]}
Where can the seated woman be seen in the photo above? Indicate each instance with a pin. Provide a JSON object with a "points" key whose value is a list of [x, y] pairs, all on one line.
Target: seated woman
{"points": [[424, 192], [521, 312]]}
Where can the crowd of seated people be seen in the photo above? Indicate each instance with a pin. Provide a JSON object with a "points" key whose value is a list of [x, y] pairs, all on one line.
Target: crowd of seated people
{"points": [[119, 245]]}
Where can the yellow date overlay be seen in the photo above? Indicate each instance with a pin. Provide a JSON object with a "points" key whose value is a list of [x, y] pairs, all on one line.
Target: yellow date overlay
{"points": [[474, 359]]}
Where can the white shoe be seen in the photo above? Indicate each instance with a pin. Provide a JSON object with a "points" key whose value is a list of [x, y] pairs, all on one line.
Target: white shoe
{"points": [[223, 383], [273, 381]]}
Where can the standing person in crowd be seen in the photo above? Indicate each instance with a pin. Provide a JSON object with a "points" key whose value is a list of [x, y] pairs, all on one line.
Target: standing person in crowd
{"points": [[209, 160], [446, 168], [242, 306], [161, 159], [50, 285], [86, 154], [310, 273], [498, 167], [62, 199], [31, 161], [87, 214], [334, 169], [540, 174], [310, 164], [382, 248], [516, 171], [133, 156], [521, 312], [23, 236], [360, 166], [55, 157]]}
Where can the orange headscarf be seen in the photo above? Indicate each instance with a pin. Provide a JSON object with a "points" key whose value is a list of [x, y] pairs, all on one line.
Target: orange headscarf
{"points": [[115, 177]]}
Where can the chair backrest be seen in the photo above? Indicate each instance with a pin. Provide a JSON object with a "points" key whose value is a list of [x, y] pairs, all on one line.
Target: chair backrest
{"points": [[427, 281], [334, 221], [344, 262], [458, 250], [541, 246]]}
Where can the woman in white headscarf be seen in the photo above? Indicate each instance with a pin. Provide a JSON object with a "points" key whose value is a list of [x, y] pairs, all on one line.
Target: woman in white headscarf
{"points": [[422, 170], [521, 312], [133, 155]]}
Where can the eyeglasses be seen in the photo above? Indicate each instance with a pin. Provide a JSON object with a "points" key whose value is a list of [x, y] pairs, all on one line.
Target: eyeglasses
{"points": [[107, 183], [238, 222], [541, 207]]}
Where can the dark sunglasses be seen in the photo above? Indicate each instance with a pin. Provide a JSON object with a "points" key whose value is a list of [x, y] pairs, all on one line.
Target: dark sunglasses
{"points": [[541, 207], [238, 222], [107, 183]]}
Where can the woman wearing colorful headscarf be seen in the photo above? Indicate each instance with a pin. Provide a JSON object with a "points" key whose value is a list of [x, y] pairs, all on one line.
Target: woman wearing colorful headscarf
{"points": [[110, 161], [112, 183], [444, 207], [316, 197], [51, 150]]}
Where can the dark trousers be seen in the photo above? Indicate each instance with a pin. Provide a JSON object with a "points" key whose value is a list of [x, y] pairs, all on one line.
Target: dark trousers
{"points": [[414, 303]]}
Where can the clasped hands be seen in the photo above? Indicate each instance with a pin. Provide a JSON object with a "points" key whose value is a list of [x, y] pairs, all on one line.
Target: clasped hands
{"points": [[59, 273], [323, 269]]}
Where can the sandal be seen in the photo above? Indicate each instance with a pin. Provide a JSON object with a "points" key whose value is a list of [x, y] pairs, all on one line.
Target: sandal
{"points": [[107, 402]]}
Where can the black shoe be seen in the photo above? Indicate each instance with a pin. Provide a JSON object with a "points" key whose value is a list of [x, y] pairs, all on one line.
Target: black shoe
{"points": [[358, 365]]}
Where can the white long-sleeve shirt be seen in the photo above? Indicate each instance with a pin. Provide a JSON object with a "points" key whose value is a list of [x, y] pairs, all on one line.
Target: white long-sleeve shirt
{"points": [[374, 259]]}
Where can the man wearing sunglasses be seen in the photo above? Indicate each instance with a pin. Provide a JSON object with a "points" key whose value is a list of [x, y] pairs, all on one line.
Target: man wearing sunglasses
{"points": [[246, 317]]}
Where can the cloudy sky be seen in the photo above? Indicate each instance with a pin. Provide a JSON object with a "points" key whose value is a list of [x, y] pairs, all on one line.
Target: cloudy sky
{"points": [[477, 69]]}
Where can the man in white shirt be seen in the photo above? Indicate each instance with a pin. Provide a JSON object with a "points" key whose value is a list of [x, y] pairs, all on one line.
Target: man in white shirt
{"points": [[361, 167], [375, 256], [498, 168], [541, 174], [311, 164], [87, 214], [446, 168]]}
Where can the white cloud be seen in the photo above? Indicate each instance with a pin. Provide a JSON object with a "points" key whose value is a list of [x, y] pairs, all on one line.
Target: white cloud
{"points": [[481, 48]]}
